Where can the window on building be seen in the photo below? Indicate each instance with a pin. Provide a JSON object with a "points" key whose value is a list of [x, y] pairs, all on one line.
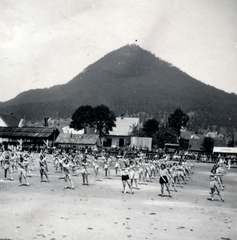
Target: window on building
{"points": [[121, 142]]}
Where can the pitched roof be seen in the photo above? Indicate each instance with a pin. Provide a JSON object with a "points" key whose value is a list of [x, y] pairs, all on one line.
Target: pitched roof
{"points": [[194, 136], [195, 145], [26, 132], [10, 120], [123, 126], [186, 134], [84, 139]]}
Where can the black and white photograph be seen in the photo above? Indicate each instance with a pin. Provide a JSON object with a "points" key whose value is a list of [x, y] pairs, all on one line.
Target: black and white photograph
{"points": [[118, 119]]}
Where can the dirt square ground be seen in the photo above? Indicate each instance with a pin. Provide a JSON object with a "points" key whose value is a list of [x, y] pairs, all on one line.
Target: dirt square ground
{"points": [[100, 211]]}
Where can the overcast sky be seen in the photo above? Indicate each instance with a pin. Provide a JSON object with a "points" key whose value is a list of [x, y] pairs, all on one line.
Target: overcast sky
{"points": [[48, 42]]}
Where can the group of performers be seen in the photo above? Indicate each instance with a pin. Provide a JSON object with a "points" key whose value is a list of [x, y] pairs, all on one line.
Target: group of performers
{"points": [[22, 162], [133, 171]]}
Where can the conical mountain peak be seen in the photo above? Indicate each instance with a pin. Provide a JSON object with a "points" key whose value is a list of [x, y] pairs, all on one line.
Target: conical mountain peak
{"points": [[130, 79]]}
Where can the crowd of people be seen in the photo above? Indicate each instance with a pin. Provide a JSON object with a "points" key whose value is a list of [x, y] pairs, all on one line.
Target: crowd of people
{"points": [[133, 171]]}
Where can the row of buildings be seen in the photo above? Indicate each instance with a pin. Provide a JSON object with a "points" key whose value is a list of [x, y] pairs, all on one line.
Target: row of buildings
{"points": [[50, 133]]}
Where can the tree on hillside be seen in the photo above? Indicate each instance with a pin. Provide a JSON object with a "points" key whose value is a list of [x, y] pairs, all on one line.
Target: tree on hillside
{"points": [[177, 120], [150, 127], [100, 117]]}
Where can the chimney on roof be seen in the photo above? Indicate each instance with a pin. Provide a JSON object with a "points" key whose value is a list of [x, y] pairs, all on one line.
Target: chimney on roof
{"points": [[46, 124], [122, 116]]}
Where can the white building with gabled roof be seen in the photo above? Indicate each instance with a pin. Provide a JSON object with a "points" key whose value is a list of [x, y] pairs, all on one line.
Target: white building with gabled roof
{"points": [[119, 135]]}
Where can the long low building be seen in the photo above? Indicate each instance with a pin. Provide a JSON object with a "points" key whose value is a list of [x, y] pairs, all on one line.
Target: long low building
{"points": [[30, 135], [227, 150], [77, 141]]}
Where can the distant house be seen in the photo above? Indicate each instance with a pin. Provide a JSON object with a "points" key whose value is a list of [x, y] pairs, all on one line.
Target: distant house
{"points": [[215, 135], [77, 141], [186, 134], [195, 145], [9, 120], [194, 136], [86, 130], [120, 133], [191, 140], [67, 129], [223, 131]]}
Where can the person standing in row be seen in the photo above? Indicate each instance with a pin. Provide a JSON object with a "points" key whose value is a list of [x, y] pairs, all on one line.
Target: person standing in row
{"points": [[96, 168], [7, 166], [107, 167], [215, 183], [117, 166], [125, 178], [66, 169], [221, 172], [164, 179], [85, 172], [22, 170], [43, 166], [133, 174]]}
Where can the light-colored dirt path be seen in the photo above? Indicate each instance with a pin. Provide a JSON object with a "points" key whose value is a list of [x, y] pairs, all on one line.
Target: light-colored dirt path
{"points": [[100, 211]]}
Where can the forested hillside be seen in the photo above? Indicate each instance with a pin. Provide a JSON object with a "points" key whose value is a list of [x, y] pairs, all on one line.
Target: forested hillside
{"points": [[130, 80]]}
